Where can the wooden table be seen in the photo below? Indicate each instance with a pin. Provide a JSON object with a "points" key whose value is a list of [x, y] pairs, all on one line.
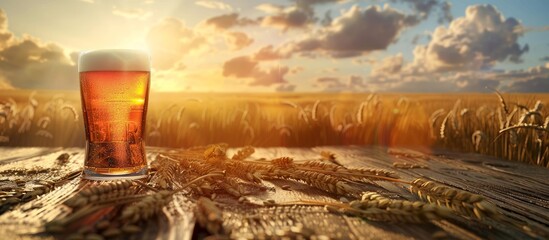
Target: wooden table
{"points": [[520, 190]]}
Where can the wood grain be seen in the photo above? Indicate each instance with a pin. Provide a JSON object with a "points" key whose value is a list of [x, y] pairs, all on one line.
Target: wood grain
{"points": [[520, 190]]}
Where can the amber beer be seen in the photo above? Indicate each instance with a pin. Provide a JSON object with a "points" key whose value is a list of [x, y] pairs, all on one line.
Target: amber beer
{"points": [[114, 86]]}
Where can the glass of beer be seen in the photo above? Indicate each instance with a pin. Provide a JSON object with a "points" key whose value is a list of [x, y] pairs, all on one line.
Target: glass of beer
{"points": [[114, 86]]}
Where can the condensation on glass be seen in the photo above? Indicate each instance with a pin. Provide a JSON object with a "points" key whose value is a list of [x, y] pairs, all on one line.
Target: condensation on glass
{"points": [[114, 86]]}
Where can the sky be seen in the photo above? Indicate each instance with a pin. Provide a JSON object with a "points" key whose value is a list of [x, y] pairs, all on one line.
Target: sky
{"points": [[286, 46]]}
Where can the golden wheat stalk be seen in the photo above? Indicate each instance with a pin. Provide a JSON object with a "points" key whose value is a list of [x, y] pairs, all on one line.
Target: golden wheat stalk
{"points": [[147, 207], [383, 209], [324, 182], [354, 173], [100, 192], [314, 111], [502, 102], [464, 203], [243, 153]]}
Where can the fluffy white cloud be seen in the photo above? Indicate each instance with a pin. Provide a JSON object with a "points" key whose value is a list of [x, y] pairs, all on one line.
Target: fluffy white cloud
{"points": [[356, 32], [477, 41], [28, 62], [461, 57]]}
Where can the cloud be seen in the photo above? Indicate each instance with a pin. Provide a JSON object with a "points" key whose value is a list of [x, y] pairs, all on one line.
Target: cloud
{"points": [[327, 20], [534, 85], [285, 88], [3, 21], [214, 5], [5, 35], [299, 15], [132, 13], [240, 67], [363, 61], [350, 83], [329, 83], [390, 75], [287, 18], [227, 21], [170, 40], [524, 74], [270, 53], [389, 66], [424, 8], [269, 8], [28, 62], [461, 58], [246, 67], [446, 15], [531, 80], [268, 77], [544, 59], [237, 40], [356, 81], [476, 41], [356, 32], [526, 29], [471, 81], [388, 69], [309, 3]]}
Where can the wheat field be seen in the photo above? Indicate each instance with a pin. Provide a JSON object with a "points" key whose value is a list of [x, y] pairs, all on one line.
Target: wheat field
{"points": [[509, 126]]}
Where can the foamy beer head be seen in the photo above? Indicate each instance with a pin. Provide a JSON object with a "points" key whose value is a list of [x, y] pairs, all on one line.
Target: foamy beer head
{"points": [[114, 86], [114, 60]]}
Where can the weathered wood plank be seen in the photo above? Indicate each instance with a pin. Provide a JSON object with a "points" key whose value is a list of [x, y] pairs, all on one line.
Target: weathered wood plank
{"points": [[463, 171], [519, 190], [8, 154]]}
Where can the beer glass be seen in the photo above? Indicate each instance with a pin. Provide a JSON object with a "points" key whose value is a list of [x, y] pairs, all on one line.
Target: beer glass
{"points": [[114, 86]]}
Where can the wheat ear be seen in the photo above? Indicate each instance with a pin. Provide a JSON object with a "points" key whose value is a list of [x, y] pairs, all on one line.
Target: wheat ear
{"points": [[462, 202]]}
